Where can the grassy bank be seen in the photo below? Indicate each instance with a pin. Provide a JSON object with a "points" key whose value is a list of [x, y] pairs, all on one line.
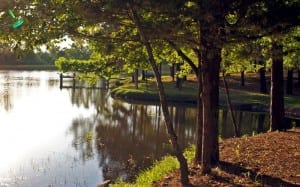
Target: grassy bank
{"points": [[232, 151], [240, 164], [158, 170], [241, 99], [147, 91]]}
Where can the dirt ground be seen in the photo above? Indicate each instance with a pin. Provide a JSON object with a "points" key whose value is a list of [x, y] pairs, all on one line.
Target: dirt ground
{"points": [[268, 159]]}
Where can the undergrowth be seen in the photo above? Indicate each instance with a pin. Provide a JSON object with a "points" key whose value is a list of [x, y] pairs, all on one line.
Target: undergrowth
{"points": [[157, 171]]}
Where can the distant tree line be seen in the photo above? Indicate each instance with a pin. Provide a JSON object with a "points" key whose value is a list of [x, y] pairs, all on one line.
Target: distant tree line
{"points": [[44, 56]]}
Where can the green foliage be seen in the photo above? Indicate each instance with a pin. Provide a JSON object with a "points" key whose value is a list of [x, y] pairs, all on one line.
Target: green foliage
{"points": [[154, 173], [238, 57], [232, 18], [95, 66], [158, 170], [291, 49]]}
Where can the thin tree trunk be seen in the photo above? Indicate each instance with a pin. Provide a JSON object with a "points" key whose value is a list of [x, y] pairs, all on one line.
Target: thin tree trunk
{"points": [[169, 125], [178, 79], [260, 125], [183, 56], [298, 78], [242, 78], [223, 123], [277, 102], [172, 71], [199, 120], [136, 78], [262, 78], [160, 68], [143, 75], [235, 127], [289, 82]]}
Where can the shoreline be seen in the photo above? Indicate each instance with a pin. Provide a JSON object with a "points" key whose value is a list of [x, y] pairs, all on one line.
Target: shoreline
{"points": [[27, 67], [129, 97]]}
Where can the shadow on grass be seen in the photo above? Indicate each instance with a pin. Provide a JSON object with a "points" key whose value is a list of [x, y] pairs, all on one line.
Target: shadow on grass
{"points": [[254, 176]]}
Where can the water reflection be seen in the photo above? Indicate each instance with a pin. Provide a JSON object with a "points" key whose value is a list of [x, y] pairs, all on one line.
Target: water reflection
{"points": [[141, 138], [249, 123], [128, 137], [81, 137]]}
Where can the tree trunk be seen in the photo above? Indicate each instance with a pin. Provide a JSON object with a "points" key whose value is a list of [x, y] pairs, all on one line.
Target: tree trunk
{"points": [[163, 101], [136, 78], [172, 71], [289, 82], [223, 124], [235, 127], [211, 58], [178, 79], [242, 78], [262, 78], [298, 78], [211, 29], [277, 102], [143, 75], [260, 125], [160, 68], [184, 56], [210, 99], [199, 120]]}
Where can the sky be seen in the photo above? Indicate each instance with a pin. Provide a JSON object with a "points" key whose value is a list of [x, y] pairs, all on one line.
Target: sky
{"points": [[64, 44]]}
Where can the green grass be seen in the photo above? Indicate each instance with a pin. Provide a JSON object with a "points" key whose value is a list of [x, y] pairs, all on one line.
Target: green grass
{"points": [[157, 171], [148, 92]]}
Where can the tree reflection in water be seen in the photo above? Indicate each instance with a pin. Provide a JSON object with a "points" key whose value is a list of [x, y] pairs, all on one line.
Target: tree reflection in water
{"points": [[127, 138]]}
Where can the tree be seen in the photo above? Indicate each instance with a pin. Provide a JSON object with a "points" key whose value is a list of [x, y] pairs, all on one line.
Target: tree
{"points": [[115, 22], [239, 57], [276, 23], [291, 57], [277, 103], [272, 19], [211, 26]]}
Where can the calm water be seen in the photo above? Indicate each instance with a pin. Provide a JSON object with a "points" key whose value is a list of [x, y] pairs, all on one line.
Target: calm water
{"points": [[81, 137]]}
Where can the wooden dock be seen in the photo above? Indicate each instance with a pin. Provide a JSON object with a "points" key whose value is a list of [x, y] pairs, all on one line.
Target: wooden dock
{"points": [[61, 80], [72, 77]]}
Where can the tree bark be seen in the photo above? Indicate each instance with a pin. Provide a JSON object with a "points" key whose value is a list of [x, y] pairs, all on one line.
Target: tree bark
{"points": [[211, 58], [136, 78], [262, 78], [163, 102], [277, 93], [178, 79], [199, 120], [298, 78], [211, 37], [172, 72], [260, 125], [289, 82], [143, 75], [233, 119], [184, 57], [242, 78], [210, 99]]}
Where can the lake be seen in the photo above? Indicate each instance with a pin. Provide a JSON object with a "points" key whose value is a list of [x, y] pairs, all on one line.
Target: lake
{"points": [[81, 137]]}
